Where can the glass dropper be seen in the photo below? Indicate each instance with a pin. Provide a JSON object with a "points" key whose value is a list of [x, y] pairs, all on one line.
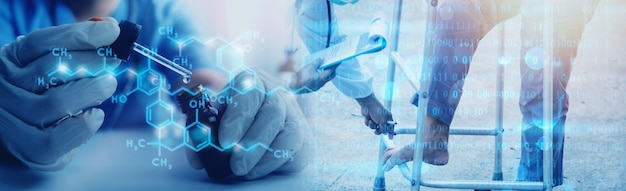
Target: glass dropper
{"points": [[163, 61], [126, 41]]}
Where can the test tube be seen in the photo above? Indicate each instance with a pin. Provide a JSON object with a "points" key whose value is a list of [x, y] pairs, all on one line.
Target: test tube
{"points": [[163, 61]]}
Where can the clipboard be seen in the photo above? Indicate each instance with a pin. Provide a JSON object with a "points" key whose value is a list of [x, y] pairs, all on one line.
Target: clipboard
{"points": [[366, 43]]}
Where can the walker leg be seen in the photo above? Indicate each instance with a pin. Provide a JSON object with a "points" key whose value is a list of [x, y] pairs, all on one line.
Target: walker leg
{"points": [[547, 146], [379, 181], [423, 96], [497, 168]]}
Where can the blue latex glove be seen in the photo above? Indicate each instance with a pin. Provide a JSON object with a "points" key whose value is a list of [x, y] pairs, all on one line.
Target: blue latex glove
{"points": [[272, 119], [42, 125]]}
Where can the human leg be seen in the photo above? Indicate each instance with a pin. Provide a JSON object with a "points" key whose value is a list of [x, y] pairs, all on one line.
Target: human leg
{"points": [[569, 22], [459, 26]]}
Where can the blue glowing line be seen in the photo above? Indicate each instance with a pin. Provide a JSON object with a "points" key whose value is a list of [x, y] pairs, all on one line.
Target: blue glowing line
{"points": [[105, 69]]}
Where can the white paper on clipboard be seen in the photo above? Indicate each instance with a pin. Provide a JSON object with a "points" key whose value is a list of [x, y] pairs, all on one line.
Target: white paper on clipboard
{"points": [[371, 42]]}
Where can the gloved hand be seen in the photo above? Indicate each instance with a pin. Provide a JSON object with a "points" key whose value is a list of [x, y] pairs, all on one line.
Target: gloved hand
{"points": [[376, 116], [42, 125], [310, 79], [255, 117]]}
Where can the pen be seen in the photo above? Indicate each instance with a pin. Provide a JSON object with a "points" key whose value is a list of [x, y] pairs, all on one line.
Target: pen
{"points": [[388, 122]]}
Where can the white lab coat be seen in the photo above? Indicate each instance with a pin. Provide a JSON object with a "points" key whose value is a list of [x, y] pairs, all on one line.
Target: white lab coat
{"points": [[350, 78], [273, 21]]}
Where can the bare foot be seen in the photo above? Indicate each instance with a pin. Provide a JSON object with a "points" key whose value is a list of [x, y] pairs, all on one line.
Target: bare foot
{"points": [[395, 156], [435, 147], [435, 142]]}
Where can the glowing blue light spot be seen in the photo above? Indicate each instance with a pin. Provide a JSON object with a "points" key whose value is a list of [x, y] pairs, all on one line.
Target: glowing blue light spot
{"points": [[62, 68], [389, 85], [446, 12], [504, 60], [380, 61], [534, 58]]}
